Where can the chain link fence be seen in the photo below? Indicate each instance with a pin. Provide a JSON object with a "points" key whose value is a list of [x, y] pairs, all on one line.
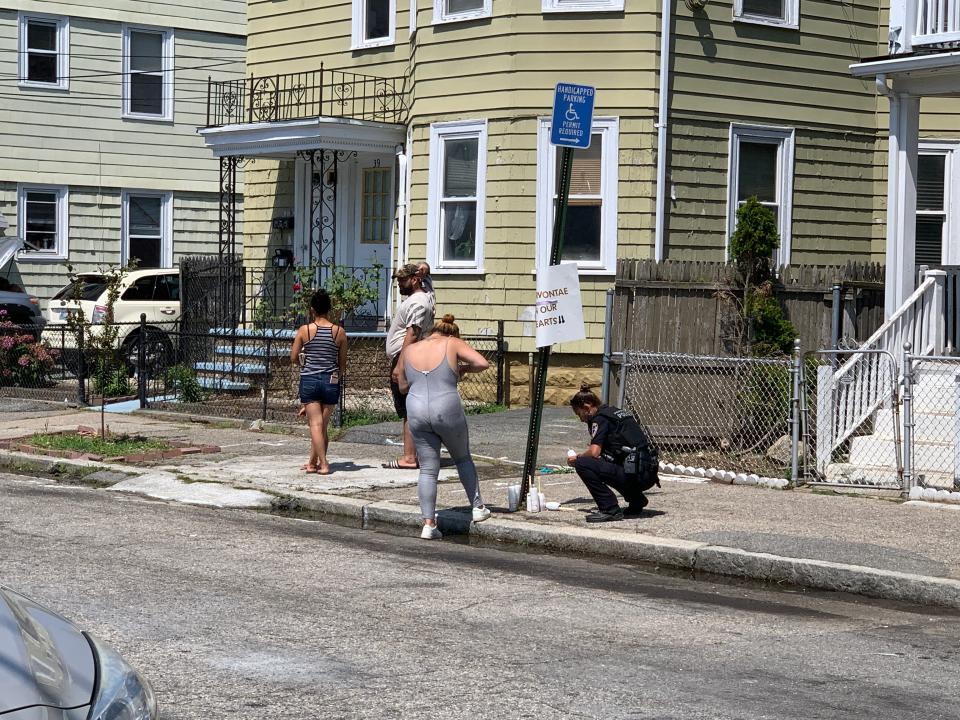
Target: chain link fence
{"points": [[931, 423], [54, 362], [850, 419], [248, 374], [715, 413], [242, 373]]}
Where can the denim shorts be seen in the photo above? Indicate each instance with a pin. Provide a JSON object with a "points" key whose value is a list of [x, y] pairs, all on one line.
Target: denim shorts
{"points": [[318, 388]]}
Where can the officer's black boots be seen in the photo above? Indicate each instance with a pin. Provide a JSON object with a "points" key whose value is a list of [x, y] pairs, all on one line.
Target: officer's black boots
{"points": [[636, 507], [605, 516]]}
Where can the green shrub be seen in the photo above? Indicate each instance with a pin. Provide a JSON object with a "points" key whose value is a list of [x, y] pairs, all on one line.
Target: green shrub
{"points": [[181, 380], [764, 328], [110, 378]]}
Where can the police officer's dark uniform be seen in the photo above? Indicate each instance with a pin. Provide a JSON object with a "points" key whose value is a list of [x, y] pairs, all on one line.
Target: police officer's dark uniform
{"points": [[614, 430]]}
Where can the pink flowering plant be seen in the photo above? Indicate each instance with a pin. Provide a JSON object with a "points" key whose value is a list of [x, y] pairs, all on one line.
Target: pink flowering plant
{"points": [[24, 361]]}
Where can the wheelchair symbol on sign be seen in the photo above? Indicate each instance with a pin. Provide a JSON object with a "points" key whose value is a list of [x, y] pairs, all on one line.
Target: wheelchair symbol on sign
{"points": [[571, 114]]}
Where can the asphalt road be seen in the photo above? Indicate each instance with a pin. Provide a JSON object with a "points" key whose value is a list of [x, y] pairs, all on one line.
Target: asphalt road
{"points": [[234, 614]]}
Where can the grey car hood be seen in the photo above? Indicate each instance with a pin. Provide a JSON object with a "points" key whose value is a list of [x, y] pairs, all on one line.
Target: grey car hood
{"points": [[44, 659]]}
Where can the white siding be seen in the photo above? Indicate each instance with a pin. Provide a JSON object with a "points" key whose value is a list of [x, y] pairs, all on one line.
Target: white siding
{"points": [[79, 137], [94, 233]]}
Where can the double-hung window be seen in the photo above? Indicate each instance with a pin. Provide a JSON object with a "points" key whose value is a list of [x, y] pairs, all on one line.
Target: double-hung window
{"points": [[42, 221], [146, 223], [781, 13], [933, 169], [581, 5], [44, 52], [761, 166], [147, 73], [590, 231], [453, 10], [458, 170], [374, 23]]}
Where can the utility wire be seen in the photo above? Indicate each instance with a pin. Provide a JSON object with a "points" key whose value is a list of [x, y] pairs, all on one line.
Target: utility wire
{"points": [[182, 68]]}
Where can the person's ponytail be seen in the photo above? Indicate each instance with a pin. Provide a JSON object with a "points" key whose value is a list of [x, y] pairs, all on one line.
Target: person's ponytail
{"points": [[585, 397]]}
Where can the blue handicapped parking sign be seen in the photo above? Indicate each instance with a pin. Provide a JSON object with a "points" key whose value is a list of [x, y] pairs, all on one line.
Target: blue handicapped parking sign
{"points": [[572, 115]]}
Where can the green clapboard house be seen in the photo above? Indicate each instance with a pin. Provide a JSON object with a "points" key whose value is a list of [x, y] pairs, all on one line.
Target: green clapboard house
{"points": [[388, 131]]}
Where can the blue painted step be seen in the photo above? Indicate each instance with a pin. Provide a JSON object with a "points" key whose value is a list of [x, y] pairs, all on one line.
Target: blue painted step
{"points": [[258, 352], [217, 383], [254, 334], [226, 367]]}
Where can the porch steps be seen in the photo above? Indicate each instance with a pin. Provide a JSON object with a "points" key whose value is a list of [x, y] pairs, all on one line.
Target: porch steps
{"points": [[935, 453], [242, 350], [255, 334], [222, 384], [231, 368]]}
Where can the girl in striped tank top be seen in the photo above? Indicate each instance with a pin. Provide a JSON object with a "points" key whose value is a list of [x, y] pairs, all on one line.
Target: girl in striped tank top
{"points": [[320, 348]]}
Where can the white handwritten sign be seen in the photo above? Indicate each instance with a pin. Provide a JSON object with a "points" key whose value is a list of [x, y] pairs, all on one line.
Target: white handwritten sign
{"points": [[559, 312]]}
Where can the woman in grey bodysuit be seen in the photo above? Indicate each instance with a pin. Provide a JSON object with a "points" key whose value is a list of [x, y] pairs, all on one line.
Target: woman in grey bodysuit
{"points": [[428, 372]]}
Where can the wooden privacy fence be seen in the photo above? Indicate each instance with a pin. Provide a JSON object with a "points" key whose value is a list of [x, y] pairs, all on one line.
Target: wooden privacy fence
{"points": [[679, 306]]}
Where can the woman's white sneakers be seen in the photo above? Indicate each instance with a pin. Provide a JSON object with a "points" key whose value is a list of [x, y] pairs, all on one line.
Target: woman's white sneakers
{"points": [[481, 513], [430, 532]]}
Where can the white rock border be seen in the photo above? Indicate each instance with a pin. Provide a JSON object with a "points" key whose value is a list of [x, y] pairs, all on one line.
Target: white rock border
{"points": [[728, 477], [935, 495]]}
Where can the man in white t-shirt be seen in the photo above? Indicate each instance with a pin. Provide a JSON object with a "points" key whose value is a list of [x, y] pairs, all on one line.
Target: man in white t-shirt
{"points": [[412, 321]]}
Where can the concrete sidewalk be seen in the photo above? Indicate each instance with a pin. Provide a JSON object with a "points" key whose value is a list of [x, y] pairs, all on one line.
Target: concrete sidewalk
{"points": [[875, 546]]}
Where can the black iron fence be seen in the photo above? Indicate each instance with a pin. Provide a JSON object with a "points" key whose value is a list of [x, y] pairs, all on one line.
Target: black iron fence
{"points": [[241, 372], [302, 95]]}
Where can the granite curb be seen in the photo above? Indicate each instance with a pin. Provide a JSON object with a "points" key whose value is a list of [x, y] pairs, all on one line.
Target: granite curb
{"points": [[669, 552], [676, 553]]}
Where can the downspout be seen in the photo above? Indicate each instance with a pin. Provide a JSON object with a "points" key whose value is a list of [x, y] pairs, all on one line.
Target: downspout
{"points": [[397, 248], [662, 116]]}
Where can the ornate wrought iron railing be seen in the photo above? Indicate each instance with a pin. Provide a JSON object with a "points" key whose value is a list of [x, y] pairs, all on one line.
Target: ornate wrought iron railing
{"points": [[303, 95]]}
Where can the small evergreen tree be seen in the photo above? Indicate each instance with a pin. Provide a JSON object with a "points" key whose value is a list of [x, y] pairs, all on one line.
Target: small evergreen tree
{"points": [[765, 329]]}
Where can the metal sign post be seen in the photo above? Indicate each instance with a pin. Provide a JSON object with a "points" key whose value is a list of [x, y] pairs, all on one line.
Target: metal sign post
{"points": [[572, 121]]}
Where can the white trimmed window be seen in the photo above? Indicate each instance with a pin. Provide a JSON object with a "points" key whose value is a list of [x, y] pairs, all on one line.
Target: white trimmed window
{"points": [[761, 166], [581, 5], [147, 73], [43, 221], [590, 232], [454, 10], [146, 223], [374, 23], [782, 13], [44, 52], [933, 191], [457, 199]]}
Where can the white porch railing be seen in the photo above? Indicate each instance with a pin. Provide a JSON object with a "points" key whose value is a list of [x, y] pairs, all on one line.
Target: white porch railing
{"points": [[937, 21], [859, 386]]}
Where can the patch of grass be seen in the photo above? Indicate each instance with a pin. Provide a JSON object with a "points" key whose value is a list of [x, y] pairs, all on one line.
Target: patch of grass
{"points": [[67, 474], [114, 445], [484, 409], [365, 416]]}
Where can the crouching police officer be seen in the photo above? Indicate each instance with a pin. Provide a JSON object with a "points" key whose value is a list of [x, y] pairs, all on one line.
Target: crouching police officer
{"points": [[620, 456]]}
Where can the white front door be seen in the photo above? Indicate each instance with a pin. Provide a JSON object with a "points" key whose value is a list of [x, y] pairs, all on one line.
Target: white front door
{"points": [[364, 219], [371, 212]]}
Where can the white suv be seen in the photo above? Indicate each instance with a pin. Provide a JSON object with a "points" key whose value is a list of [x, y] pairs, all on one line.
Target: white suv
{"points": [[154, 293]]}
